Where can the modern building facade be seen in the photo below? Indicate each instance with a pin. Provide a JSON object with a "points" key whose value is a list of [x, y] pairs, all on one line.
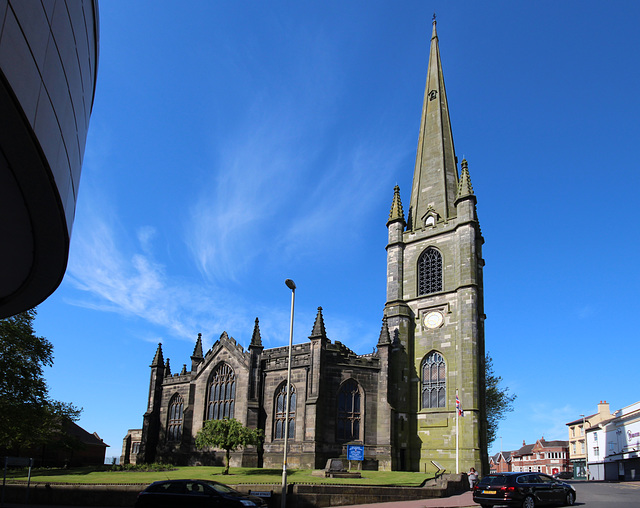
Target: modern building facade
{"points": [[577, 438], [48, 64], [399, 402], [613, 446]]}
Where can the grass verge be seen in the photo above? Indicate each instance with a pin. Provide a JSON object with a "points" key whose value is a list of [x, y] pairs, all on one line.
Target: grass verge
{"points": [[238, 475]]}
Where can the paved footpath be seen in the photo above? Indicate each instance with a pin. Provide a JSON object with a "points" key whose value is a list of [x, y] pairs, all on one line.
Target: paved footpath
{"points": [[458, 501]]}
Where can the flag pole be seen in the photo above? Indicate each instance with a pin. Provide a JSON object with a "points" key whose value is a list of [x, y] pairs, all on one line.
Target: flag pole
{"points": [[457, 434]]}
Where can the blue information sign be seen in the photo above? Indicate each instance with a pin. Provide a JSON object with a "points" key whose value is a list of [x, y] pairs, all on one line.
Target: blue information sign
{"points": [[355, 452]]}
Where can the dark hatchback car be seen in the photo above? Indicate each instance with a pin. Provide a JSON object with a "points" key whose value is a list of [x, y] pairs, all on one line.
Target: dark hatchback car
{"points": [[193, 493], [522, 489]]}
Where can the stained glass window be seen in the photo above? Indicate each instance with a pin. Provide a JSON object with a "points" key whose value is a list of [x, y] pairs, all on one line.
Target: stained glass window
{"points": [[349, 421], [174, 421], [221, 393], [434, 381], [429, 272], [280, 413]]}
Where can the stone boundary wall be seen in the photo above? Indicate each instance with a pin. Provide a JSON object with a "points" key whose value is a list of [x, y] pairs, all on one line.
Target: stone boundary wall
{"points": [[299, 495]]}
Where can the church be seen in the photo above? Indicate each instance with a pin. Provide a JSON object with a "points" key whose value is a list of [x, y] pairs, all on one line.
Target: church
{"points": [[417, 403]]}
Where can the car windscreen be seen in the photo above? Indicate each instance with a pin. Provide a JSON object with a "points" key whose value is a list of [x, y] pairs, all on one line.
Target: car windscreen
{"points": [[498, 479]]}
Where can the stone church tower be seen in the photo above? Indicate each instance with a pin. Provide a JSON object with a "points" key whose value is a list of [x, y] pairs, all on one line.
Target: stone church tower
{"points": [[434, 309]]}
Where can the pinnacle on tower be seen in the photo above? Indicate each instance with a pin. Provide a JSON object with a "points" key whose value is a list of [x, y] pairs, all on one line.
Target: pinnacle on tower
{"points": [[256, 340], [396, 212], [464, 185], [197, 351], [167, 369], [385, 337], [318, 331], [183, 372], [158, 360]]}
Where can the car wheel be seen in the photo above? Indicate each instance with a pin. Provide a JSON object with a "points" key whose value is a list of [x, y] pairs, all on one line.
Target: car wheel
{"points": [[570, 499], [528, 502]]}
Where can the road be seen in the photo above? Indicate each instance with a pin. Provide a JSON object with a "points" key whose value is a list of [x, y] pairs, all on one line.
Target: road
{"points": [[607, 495]]}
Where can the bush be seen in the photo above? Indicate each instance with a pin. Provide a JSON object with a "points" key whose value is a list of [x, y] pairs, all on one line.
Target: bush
{"points": [[144, 468]]}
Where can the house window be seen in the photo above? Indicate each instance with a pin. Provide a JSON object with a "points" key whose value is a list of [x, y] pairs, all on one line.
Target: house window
{"points": [[281, 414], [434, 383], [221, 393], [429, 272], [349, 423], [135, 448], [174, 422]]}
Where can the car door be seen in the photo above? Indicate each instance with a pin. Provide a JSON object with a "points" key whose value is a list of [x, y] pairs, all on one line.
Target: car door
{"points": [[555, 490]]}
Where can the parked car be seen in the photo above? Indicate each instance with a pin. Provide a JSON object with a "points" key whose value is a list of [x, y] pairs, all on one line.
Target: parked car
{"points": [[194, 493], [563, 475], [522, 489]]}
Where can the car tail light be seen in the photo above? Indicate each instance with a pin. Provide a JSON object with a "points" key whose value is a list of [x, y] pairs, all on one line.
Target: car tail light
{"points": [[508, 489]]}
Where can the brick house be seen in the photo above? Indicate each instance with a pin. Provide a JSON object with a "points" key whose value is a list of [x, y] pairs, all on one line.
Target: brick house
{"points": [[548, 457]]}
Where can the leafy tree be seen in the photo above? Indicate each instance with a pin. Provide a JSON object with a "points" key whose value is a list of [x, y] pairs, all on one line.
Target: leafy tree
{"points": [[499, 401], [28, 417], [228, 434]]}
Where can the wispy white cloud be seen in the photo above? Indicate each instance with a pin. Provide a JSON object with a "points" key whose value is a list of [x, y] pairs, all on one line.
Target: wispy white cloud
{"points": [[550, 421]]}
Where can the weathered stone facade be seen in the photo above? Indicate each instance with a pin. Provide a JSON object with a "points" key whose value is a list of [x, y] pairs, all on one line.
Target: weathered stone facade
{"points": [[399, 401]]}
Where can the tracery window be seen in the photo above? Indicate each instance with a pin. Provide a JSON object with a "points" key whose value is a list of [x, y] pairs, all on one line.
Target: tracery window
{"points": [[280, 415], [349, 421], [221, 393], [429, 272], [434, 381], [174, 421]]}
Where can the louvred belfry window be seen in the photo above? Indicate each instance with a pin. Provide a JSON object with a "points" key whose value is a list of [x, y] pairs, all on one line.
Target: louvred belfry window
{"points": [[429, 272], [222, 393], [280, 415], [174, 421], [349, 420], [434, 381]]}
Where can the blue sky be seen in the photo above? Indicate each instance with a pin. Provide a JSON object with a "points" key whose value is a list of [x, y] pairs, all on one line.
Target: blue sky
{"points": [[236, 144]]}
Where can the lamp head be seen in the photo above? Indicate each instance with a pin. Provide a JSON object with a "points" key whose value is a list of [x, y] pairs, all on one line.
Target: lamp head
{"points": [[290, 284]]}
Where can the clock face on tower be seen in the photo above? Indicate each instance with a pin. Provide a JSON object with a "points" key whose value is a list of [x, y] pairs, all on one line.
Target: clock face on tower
{"points": [[433, 319]]}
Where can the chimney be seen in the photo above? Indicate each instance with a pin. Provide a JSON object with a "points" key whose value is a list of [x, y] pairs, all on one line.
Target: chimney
{"points": [[603, 409]]}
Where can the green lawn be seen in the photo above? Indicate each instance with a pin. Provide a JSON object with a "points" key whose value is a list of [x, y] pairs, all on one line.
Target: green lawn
{"points": [[237, 476]]}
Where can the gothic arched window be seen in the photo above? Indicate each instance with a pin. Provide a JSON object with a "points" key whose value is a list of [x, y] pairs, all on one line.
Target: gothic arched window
{"points": [[429, 272], [174, 420], [280, 413], [221, 393], [349, 421], [434, 381]]}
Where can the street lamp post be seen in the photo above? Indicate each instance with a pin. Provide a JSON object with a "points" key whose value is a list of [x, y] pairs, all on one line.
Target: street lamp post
{"points": [[292, 286]]}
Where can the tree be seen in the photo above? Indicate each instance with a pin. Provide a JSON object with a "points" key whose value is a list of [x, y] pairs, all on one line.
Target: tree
{"points": [[228, 434], [499, 401], [28, 417]]}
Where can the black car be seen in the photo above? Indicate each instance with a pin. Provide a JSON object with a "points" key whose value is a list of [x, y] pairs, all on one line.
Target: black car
{"points": [[522, 489], [193, 493]]}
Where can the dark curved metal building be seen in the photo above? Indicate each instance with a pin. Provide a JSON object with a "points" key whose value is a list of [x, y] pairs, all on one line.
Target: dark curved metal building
{"points": [[48, 64]]}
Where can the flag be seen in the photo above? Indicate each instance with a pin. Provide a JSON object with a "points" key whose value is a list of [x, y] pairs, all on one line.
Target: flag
{"points": [[460, 411]]}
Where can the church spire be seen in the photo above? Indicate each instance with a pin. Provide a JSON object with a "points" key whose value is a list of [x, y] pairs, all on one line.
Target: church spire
{"points": [[435, 178]]}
